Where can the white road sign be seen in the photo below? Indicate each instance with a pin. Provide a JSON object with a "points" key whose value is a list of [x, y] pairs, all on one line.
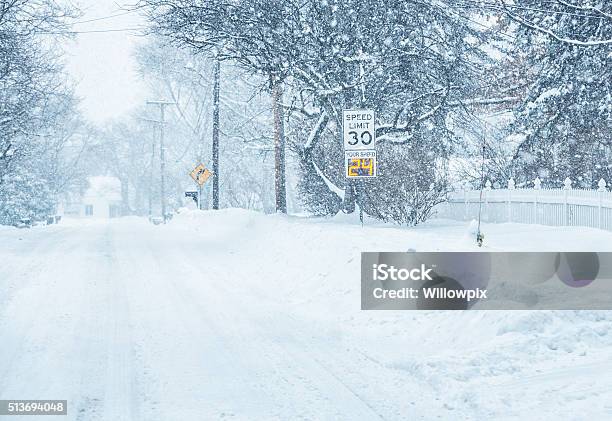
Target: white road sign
{"points": [[359, 143], [358, 129]]}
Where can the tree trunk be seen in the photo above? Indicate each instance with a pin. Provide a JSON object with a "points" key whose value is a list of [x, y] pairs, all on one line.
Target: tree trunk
{"points": [[125, 199], [215, 134], [348, 205], [279, 147]]}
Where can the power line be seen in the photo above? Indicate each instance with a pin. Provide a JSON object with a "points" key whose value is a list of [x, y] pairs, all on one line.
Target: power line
{"points": [[489, 28], [103, 17], [96, 31], [494, 6]]}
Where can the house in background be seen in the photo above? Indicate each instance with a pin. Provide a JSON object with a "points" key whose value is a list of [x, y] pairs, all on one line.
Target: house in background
{"points": [[102, 199]]}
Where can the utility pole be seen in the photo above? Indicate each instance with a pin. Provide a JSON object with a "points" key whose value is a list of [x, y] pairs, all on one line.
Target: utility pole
{"points": [[151, 174], [162, 153], [150, 188], [215, 133]]}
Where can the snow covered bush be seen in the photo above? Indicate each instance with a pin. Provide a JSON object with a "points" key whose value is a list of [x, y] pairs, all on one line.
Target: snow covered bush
{"points": [[24, 195], [408, 186]]}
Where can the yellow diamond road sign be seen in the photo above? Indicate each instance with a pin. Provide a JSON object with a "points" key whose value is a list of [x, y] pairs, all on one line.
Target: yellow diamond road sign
{"points": [[200, 174]]}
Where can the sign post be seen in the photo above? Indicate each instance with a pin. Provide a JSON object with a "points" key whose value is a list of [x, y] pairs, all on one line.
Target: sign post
{"points": [[359, 138], [199, 197], [200, 175]]}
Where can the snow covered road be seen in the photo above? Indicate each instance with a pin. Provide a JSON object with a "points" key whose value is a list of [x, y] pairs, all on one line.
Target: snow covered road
{"points": [[242, 316]]}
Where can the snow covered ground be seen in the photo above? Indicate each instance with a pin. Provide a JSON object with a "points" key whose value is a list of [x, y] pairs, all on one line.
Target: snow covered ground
{"points": [[238, 315]]}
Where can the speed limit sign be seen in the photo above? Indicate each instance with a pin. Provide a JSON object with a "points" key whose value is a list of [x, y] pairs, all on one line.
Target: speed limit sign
{"points": [[359, 143], [358, 129]]}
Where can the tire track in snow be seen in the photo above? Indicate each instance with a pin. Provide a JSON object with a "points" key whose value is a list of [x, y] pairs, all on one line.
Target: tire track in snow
{"points": [[119, 402], [168, 365], [373, 384], [25, 307], [314, 374]]}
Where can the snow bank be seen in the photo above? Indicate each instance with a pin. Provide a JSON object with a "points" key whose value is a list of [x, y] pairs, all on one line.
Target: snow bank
{"points": [[6, 228], [310, 267], [321, 257]]}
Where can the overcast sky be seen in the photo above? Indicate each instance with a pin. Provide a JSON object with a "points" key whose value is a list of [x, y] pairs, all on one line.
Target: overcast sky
{"points": [[102, 64]]}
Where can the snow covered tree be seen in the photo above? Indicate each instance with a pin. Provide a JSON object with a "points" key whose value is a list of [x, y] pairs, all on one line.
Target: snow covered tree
{"points": [[37, 109], [563, 123], [129, 147], [412, 62], [24, 193]]}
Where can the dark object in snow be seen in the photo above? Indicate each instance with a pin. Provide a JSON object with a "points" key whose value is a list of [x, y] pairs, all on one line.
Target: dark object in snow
{"points": [[479, 234], [24, 223], [193, 195], [479, 238]]}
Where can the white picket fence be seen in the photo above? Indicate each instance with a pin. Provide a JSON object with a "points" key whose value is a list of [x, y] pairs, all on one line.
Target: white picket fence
{"points": [[537, 205]]}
